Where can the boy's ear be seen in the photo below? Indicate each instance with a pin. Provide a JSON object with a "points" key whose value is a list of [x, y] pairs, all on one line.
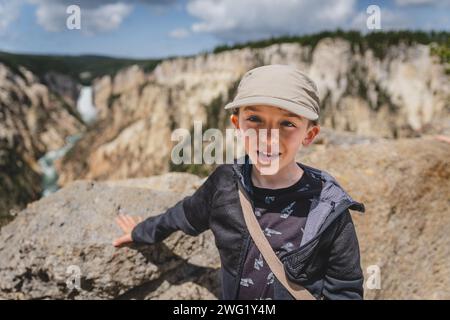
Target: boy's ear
{"points": [[235, 120], [310, 135]]}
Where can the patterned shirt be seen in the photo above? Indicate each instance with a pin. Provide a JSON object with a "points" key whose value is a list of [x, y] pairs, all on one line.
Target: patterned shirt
{"points": [[282, 215]]}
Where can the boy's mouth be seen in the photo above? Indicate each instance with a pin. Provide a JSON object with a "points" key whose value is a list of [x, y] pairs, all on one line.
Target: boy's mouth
{"points": [[267, 157]]}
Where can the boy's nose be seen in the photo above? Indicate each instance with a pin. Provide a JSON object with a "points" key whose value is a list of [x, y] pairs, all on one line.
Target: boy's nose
{"points": [[269, 140]]}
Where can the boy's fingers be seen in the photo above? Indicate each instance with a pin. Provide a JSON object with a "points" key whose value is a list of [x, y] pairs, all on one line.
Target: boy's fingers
{"points": [[125, 218], [442, 138], [130, 220], [123, 239], [121, 223], [126, 222], [136, 220], [119, 217], [118, 221]]}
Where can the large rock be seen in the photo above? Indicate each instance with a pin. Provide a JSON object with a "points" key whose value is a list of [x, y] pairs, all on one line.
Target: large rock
{"points": [[405, 231], [72, 230]]}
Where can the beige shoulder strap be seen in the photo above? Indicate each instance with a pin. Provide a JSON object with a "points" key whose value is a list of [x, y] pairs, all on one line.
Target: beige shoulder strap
{"points": [[299, 292]]}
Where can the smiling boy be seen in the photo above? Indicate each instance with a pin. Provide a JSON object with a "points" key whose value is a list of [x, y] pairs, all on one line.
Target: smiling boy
{"points": [[302, 211]]}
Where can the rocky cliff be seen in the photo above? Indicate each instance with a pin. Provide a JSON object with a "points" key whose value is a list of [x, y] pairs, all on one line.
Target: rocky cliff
{"points": [[35, 118], [403, 93], [66, 236]]}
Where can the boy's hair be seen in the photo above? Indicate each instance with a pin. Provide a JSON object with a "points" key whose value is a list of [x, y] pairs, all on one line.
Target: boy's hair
{"points": [[235, 111]]}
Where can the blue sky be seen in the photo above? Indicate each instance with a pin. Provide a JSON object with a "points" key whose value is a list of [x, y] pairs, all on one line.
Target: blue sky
{"points": [[160, 28]]}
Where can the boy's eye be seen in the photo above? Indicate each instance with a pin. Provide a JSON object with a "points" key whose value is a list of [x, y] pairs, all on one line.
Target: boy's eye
{"points": [[254, 119], [288, 124]]}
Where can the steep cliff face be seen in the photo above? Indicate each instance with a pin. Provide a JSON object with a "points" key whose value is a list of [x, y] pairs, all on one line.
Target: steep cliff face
{"points": [[396, 96], [138, 112], [34, 120], [62, 85], [400, 94]]}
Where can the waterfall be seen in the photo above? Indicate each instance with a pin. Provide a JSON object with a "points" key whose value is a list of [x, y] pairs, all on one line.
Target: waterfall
{"points": [[88, 113], [85, 105]]}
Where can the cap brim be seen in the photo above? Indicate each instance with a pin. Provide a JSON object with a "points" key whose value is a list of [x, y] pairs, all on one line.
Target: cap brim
{"points": [[300, 110]]}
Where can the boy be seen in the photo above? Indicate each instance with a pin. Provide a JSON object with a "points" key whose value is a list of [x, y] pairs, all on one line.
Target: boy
{"points": [[303, 211]]}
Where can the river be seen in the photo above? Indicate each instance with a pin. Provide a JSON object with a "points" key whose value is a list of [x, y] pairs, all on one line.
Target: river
{"points": [[86, 108]]}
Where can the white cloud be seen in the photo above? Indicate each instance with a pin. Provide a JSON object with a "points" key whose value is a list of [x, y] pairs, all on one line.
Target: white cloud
{"points": [[107, 17], [245, 20], [96, 15], [396, 18], [404, 3], [9, 12], [390, 20], [179, 33], [237, 21], [51, 15]]}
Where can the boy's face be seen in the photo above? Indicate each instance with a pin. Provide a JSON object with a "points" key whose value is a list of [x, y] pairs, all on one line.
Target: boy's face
{"points": [[293, 133]]}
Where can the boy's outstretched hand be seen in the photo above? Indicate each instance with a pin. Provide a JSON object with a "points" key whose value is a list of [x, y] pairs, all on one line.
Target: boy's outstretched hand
{"points": [[127, 224]]}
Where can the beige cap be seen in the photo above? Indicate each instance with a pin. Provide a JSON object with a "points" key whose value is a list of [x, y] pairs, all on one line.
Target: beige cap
{"points": [[281, 86]]}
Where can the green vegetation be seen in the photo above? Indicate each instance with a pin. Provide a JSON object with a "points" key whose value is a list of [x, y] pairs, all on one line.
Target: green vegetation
{"points": [[216, 115], [85, 68], [112, 98], [377, 41], [201, 170], [72, 111], [384, 99], [4, 220], [82, 69], [442, 50]]}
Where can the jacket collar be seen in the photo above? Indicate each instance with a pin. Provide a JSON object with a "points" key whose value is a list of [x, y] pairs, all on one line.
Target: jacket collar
{"points": [[331, 201]]}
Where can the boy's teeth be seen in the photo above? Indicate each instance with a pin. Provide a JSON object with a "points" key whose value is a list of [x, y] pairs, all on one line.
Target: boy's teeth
{"points": [[267, 154], [266, 157]]}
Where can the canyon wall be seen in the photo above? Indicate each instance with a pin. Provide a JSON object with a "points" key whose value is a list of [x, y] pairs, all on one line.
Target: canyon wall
{"points": [[404, 93], [34, 120]]}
